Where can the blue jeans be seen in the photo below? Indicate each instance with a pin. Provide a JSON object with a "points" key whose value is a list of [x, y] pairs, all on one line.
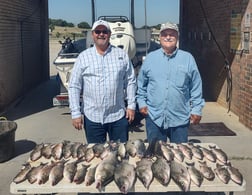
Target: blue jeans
{"points": [[175, 134], [97, 132]]}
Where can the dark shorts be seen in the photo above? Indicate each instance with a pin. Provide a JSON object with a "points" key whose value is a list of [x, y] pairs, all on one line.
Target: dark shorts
{"points": [[97, 132]]}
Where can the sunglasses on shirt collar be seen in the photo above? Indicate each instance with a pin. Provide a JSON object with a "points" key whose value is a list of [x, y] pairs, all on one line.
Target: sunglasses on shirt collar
{"points": [[101, 31]]}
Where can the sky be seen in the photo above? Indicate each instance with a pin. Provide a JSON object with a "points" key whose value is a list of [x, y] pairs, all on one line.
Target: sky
{"points": [[76, 11]]}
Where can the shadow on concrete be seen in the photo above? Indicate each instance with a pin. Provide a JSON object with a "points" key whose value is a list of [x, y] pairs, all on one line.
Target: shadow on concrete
{"points": [[23, 146], [37, 100]]}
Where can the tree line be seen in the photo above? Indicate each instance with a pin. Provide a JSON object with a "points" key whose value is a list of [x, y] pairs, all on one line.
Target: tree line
{"points": [[84, 25], [64, 23]]}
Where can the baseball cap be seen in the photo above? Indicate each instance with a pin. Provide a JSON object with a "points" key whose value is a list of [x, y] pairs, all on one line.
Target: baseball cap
{"points": [[100, 23], [169, 25]]}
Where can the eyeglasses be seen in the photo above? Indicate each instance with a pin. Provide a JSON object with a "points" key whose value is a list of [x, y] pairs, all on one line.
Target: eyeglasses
{"points": [[101, 31]]}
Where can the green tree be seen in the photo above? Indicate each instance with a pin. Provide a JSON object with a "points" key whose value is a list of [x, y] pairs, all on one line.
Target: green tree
{"points": [[83, 25]]}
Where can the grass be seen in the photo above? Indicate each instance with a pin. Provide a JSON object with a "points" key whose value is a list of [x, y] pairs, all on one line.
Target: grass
{"points": [[60, 32]]}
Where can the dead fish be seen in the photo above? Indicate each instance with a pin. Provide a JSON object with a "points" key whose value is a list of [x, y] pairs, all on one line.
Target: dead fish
{"points": [[36, 152], [206, 171], [235, 174], [66, 149], [124, 176], [186, 151], [220, 154], [152, 148], [222, 173], [140, 148], [21, 176], [105, 171], [196, 151], [166, 151], [74, 149], [180, 176], [56, 173], [32, 175], [90, 176], [43, 173], [46, 151], [81, 151], [161, 171], [177, 154], [70, 170], [208, 154], [121, 152], [89, 154], [80, 174], [144, 172], [57, 151], [98, 149], [195, 175], [130, 148]]}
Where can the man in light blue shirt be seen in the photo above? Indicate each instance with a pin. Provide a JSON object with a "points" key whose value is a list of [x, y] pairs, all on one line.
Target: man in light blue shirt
{"points": [[169, 91], [105, 77]]}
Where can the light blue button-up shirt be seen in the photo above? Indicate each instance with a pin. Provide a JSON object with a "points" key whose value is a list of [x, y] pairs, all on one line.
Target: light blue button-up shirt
{"points": [[106, 81], [171, 88]]}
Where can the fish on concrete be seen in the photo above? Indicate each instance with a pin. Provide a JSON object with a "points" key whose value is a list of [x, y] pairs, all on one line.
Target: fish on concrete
{"points": [[124, 176], [144, 172]]}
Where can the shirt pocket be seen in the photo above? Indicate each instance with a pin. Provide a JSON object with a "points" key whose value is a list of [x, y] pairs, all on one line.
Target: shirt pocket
{"points": [[181, 77]]}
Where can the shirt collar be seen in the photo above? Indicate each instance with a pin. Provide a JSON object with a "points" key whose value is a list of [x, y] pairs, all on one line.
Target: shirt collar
{"points": [[170, 55]]}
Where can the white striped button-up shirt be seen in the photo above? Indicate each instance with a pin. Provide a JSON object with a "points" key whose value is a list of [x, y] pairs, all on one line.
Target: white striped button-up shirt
{"points": [[105, 81]]}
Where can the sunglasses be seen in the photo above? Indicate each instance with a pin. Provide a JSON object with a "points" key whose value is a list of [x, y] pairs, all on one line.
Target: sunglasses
{"points": [[101, 31]]}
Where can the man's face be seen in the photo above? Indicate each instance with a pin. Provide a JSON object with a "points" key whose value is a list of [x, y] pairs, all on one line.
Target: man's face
{"points": [[168, 39], [101, 36]]}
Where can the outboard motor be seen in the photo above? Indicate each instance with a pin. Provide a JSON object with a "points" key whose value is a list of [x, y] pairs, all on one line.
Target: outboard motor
{"points": [[122, 33]]}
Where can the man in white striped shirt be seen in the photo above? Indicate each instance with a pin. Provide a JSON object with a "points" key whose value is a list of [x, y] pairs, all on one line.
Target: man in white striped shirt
{"points": [[105, 77]]}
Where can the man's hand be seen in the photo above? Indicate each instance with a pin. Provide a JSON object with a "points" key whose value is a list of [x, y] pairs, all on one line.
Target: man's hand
{"points": [[195, 119], [130, 115], [144, 111], [77, 123]]}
